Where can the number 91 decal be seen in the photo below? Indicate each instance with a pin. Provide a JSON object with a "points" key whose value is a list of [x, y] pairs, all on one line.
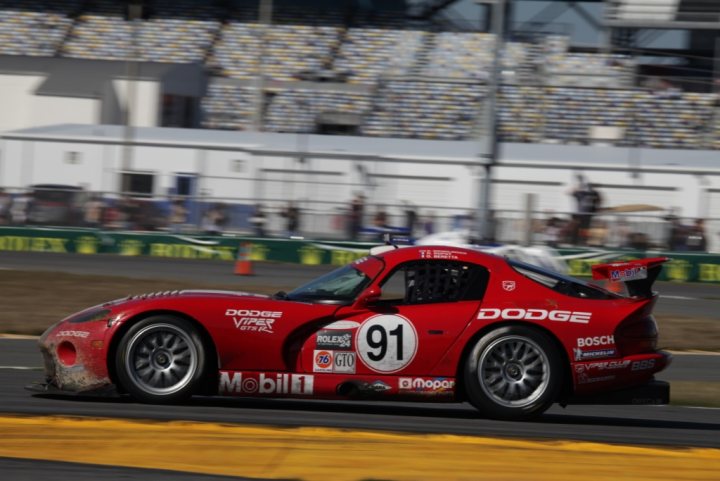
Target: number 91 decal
{"points": [[386, 343]]}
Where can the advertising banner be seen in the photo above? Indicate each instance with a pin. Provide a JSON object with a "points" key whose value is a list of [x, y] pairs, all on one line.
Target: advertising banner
{"points": [[684, 266]]}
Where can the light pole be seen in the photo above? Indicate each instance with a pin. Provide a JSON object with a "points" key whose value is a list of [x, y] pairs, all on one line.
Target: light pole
{"points": [[483, 214], [265, 18], [134, 15]]}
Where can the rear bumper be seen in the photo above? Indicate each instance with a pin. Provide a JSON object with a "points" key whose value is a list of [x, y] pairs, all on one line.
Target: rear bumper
{"points": [[652, 392]]}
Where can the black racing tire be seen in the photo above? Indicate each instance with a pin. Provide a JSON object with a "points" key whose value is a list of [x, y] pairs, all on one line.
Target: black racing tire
{"points": [[161, 360], [513, 373]]}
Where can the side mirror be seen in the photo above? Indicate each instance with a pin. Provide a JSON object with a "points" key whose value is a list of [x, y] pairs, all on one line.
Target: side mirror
{"points": [[367, 298]]}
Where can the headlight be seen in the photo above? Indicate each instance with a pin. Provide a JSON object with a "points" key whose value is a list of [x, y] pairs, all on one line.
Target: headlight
{"points": [[89, 316]]}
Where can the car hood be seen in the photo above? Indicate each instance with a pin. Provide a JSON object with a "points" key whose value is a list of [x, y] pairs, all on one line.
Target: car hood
{"points": [[192, 293], [164, 297]]}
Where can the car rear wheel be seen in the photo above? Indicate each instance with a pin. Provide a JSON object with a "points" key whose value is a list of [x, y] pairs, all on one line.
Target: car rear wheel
{"points": [[513, 372], [161, 359]]}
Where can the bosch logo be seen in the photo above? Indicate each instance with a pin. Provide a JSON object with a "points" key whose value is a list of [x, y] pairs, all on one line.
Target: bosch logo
{"points": [[513, 313], [595, 341]]}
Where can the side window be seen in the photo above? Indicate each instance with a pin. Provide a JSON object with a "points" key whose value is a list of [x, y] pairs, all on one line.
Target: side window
{"points": [[421, 282]]}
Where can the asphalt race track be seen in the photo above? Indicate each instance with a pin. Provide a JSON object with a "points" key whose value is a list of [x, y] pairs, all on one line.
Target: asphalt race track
{"points": [[636, 425], [657, 425]]}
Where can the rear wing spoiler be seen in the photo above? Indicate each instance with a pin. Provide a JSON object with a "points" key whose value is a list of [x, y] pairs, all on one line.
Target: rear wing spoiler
{"points": [[638, 275]]}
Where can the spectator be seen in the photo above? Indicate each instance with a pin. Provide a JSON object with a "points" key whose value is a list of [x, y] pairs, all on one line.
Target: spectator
{"points": [[598, 234], [553, 231], [258, 220], [588, 201], [178, 216], [5, 203], [292, 218], [214, 220], [677, 234], [357, 212], [619, 234], [410, 218], [696, 237], [19, 209], [93, 212], [429, 223], [112, 217], [380, 220]]}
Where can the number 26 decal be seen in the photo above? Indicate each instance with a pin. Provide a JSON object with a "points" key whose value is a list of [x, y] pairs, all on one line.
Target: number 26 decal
{"points": [[386, 343]]}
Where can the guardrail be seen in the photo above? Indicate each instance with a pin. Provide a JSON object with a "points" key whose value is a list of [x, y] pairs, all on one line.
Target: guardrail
{"points": [[684, 267]]}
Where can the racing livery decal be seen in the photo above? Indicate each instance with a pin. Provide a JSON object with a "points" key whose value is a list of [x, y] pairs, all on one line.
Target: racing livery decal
{"points": [[334, 339], [233, 382], [386, 343], [581, 355], [322, 361], [513, 313], [431, 386], [254, 321]]}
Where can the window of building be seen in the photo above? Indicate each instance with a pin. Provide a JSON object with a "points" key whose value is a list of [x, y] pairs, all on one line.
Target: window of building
{"points": [[138, 184]]}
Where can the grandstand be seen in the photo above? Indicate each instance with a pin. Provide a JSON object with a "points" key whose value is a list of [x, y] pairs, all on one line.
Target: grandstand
{"points": [[400, 97], [351, 69]]}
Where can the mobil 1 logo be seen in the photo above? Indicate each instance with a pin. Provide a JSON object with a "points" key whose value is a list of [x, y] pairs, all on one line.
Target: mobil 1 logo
{"points": [[386, 343]]}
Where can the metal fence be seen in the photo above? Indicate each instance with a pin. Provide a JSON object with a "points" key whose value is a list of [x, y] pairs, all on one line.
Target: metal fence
{"points": [[62, 206]]}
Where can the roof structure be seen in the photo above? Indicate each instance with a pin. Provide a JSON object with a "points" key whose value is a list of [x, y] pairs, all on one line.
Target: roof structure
{"points": [[81, 78]]}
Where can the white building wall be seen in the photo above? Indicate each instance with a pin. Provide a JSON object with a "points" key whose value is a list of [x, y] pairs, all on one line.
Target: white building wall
{"points": [[17, 93], [326, 185], [49, 110], [239, 175], [146, 99]]}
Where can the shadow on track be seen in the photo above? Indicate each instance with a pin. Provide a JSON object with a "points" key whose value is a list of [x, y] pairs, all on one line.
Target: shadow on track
{"points": [[393, 411]]}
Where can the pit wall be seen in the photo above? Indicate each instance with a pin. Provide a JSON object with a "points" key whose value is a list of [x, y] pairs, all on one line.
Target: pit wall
{"points": [[684, 267]]}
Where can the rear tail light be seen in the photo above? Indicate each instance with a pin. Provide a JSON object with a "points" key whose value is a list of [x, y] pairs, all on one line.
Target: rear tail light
{"points": [[637, 336]]}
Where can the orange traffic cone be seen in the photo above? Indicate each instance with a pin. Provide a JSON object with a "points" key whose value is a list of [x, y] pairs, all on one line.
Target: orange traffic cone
{"points": [[615, 287], [243, 264]]}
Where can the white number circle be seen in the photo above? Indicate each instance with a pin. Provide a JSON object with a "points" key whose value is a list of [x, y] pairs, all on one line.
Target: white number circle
{"points": [[386, 343]]}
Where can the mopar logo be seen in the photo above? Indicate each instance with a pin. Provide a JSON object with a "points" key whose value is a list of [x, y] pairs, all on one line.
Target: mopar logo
{"points": [[418, 384]]}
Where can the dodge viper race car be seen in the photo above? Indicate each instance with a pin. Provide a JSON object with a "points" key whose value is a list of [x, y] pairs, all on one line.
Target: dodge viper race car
{"points": [[422, 323]]}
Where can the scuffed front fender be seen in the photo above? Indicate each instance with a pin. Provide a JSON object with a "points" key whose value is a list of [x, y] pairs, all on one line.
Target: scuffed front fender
{"points": [[75, 355]]}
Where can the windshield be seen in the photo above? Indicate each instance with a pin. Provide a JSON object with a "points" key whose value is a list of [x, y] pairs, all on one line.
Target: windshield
{"points": [[343, 284]]}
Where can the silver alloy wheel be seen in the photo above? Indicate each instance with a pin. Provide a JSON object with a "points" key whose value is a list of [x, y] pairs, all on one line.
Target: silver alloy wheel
{"points": [[161, 359], [513, 371]]}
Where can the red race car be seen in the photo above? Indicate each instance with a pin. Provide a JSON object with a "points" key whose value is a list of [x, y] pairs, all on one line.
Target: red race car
{"points": [[414, 323]]}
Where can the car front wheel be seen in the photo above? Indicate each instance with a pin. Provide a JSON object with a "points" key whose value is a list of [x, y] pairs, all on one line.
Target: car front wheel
{"points": [[161, 360], [513, 372]]}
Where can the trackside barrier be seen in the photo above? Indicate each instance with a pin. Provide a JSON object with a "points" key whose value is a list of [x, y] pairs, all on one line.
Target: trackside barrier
{"points": [[684, 267]]}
